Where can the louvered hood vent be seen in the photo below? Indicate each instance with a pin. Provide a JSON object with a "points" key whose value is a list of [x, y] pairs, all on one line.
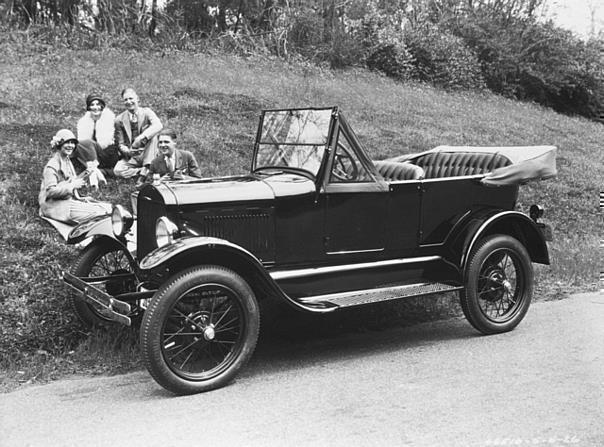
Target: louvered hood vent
{"points": [[253, 229]]}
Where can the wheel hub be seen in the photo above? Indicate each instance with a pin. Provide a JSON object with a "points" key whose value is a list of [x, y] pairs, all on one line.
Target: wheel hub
{"points": [[507, 286], [201, 324], [497, 285], [209, 333]]}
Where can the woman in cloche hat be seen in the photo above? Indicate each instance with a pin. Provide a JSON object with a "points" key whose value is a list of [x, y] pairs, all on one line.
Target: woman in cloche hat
{"points": [[96, 130], [59, 198]]}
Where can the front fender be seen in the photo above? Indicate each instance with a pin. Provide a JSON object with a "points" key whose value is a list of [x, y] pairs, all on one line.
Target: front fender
{"points": [[189, 251], [100, 227], [185, 246], [512, 223], [97, 226]]}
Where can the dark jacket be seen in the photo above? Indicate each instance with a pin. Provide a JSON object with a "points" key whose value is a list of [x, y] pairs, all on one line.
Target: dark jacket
{"points": [[184, 164]]}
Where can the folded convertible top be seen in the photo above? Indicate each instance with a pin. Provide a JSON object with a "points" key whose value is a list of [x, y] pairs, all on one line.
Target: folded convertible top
{"points": [[527, 162]]}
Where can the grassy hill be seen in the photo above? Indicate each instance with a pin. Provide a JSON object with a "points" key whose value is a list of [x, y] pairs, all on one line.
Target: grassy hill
{"points": [[213, 101]]}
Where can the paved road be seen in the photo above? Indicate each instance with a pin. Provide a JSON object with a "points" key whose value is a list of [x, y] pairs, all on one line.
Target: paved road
{"points": [[435, 384]]}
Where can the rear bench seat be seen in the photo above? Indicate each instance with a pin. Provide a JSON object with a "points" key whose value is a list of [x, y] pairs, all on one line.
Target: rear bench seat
{"points": [[455, 164], [441, 164], [393, 171]]}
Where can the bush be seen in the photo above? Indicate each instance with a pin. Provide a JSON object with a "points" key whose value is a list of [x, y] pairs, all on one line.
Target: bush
{"points": [[524, 59], [443, 59], [393, 59]]}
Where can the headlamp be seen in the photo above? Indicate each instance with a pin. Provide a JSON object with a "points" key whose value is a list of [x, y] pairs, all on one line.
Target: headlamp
{"points": [[165, 231], [121, 220]]}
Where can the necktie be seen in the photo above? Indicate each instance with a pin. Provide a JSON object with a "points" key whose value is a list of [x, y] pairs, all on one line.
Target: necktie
{"points": [[170, 164]]}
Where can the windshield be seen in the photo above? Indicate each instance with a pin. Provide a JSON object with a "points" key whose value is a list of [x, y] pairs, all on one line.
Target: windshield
{"points": [[293, 138]]}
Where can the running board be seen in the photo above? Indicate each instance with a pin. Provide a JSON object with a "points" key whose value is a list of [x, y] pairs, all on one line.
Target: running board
{"points": [[369, 296]]}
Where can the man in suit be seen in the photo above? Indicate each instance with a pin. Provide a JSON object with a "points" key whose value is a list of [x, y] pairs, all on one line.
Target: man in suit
{"points": [[172, 163], [135, 134]]}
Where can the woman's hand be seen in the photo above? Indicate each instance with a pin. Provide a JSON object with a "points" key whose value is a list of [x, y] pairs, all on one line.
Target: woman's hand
{"points": [[77, 183]]}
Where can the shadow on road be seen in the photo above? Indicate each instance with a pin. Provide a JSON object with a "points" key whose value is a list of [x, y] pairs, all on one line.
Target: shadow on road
{"points": [[299, 344], [296, 341]]}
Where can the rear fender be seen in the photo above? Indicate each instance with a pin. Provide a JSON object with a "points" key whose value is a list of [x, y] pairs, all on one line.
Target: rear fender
{"points": [[168, 260], [513, 223]]}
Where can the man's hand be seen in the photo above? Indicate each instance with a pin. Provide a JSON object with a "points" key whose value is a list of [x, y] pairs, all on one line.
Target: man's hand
{"points": [[139, 142]]}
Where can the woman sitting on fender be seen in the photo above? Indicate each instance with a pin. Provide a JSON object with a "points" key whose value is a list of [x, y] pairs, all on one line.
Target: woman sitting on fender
{"points": [[59, 198]]}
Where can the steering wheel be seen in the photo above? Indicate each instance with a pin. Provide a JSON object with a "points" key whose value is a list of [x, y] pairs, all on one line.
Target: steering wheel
{"points": [[344, 167]]}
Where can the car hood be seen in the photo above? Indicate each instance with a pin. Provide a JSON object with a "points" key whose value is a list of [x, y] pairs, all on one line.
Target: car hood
{"points": [[234, 189]]}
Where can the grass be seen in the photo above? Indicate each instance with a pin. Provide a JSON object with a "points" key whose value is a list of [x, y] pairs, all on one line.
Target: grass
{"points": [[213, 102]]}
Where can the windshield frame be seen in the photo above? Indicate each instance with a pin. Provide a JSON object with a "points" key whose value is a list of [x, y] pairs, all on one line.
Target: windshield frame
{"points": [[294, 169]]}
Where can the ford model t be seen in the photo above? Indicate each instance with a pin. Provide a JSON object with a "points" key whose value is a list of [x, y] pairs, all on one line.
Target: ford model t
{"points": [[318, 225]]}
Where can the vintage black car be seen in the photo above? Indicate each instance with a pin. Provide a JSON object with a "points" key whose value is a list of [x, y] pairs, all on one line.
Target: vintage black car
{"points": [[318, 225]]}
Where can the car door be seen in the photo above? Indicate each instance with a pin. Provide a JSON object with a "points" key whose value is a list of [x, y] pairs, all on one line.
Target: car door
{"points": [[355, 205]]}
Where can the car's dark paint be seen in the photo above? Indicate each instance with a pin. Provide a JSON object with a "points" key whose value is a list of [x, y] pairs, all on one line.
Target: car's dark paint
{"points": [[290, 223], [313, 225], [445, 201], [167, 260], [516, 224], [355, 220], [294, 235]]}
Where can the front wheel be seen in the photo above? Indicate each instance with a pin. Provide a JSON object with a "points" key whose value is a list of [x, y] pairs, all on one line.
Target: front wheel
{"points": [[200, 329], [499, 285], [103, 259]]}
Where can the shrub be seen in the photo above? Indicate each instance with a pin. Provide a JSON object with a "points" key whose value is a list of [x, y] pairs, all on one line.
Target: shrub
{"points": [[393, 59], [524, 59], [443, 59]]}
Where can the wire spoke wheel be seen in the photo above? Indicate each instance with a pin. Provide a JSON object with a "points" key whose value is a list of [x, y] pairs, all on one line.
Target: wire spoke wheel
{"points": [[200, 329], [99, 262], [499, 285], [203, 332]]}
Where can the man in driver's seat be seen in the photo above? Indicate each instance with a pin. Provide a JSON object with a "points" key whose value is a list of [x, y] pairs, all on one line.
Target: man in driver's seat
{"points": [[172, 163]]}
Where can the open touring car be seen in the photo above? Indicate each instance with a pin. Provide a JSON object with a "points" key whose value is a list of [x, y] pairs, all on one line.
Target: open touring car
{"points": [[318, 225]]}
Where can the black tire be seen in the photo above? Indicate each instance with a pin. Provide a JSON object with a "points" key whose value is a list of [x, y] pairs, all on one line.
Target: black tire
{"points": [[220, 314], [498, 285], [102, 258]]}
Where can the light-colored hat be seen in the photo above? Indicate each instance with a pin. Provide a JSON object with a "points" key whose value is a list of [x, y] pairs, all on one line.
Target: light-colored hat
{"points": [[61, 137]]}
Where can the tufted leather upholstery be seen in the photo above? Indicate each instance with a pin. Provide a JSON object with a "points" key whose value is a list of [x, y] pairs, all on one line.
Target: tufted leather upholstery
{"points": [[393, 170], [453, 164]]}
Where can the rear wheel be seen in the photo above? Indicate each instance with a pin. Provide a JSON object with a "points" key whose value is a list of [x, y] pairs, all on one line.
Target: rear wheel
{"points": [[200, 329], [103, 259], [499, 285]]}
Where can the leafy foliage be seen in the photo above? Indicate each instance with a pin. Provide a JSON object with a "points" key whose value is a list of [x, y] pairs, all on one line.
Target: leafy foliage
{"points": [[443, 59], [533, 61], [393, 59], [503, 45]]}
